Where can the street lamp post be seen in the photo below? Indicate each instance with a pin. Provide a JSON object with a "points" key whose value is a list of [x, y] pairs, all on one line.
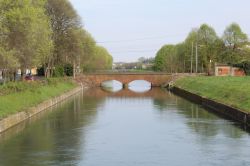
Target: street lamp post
{"points": [[210, 66]]}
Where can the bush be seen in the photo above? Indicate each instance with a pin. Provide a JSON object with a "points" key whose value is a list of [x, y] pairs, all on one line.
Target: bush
{"points": [[58, 71], [55, 81], [15, 87], [68, 70], [40, 71], [245, 66]]}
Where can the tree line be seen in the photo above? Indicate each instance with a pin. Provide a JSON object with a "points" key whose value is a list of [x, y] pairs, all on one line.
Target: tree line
{"points": [[203, 48], [47, 34]]}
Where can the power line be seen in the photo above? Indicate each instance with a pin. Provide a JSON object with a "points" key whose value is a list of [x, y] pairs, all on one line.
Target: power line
{"points": [[146, 38], [141, 39], [134, 51]]}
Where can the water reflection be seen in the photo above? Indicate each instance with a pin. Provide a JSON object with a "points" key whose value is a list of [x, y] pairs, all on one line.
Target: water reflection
{"points": [[100, 127], [199, 120], [125, 93], [56, 138]]}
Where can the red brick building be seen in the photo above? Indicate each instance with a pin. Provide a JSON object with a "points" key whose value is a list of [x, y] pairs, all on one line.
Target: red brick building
{"points": [[225, 70]]}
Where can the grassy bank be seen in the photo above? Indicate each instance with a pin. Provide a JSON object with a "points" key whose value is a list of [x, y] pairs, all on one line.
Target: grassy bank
{"points": [[16, 97], [233, 91]]}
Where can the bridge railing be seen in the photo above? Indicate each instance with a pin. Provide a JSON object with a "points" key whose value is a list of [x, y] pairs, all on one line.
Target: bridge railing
{"points": [[131, 72]]}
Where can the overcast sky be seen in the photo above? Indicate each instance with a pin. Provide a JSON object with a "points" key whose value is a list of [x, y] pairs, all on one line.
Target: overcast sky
{"points": [[130, 29]]}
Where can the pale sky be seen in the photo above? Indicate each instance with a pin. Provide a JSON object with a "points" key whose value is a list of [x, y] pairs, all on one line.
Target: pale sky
{"points": [[130, 29]]}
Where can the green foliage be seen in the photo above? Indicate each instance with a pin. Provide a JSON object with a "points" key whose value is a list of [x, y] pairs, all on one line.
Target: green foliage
{"points": [[207, 39], [65, 70], [245, 66], [22, 95], [55, 81], [234, 39], [58, 71], [164, 58], [233, 36], [231, 48], [47, 34], [14, 87], [17, 87], [68, 70], [8, 60], [73, 44], [233, 91], [27, 31], [40, 71], [101, 60]]}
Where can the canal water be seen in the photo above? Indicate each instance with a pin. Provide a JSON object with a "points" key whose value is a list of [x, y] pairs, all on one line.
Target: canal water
{"points": [[136, 127]]}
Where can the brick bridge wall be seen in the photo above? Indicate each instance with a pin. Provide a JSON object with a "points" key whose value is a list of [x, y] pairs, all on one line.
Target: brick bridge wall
{"points": [[156, 79]]}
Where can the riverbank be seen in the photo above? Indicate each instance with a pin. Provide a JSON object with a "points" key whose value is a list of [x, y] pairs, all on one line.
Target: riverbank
{"points": [[38, 96], [20, 96], [227, 95], [232, 91]]}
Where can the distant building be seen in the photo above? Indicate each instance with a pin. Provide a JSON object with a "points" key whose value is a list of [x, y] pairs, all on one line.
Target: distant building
{"points": [[147, 66]]}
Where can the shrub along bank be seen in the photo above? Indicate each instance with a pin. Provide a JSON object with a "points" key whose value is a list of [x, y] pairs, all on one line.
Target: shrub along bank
{"points": [[232, 91], [19, 96]]}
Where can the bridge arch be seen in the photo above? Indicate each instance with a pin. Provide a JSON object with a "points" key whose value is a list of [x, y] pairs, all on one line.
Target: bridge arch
{"points": [[110, 80], [144, 80], [111, 85], [140, 86]]}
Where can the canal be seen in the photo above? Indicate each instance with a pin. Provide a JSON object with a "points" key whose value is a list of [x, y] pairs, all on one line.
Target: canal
{"points": [[126, 128]]}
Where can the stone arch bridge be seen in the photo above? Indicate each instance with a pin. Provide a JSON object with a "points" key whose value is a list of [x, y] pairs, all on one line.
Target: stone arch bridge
{"points": [[156, 79]]}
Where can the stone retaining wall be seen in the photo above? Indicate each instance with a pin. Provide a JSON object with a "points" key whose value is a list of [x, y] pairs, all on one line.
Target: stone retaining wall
{"points": [[233, 113], [17, 118]]}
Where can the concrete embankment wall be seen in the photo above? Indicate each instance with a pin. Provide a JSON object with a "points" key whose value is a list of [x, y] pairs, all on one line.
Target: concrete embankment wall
{"points": [[233, 113], [17, 118]]}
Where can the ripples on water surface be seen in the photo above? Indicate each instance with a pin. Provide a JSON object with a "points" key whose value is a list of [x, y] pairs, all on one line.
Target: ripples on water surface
{"points": [[125, 128]]}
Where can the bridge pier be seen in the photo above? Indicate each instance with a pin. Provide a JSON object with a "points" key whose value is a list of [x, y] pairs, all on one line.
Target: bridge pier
{"points": [[125, 85]]}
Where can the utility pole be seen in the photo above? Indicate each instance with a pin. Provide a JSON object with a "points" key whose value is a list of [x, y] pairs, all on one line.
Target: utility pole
{"points": [[192, 58], [196, 57]]}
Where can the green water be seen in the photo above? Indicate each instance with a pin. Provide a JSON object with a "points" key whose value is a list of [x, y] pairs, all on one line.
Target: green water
{"points": [[100, 128]]}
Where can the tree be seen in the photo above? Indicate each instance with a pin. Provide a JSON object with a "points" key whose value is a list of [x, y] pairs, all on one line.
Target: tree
{"points": [[207, 43], [27, 31], [75, 46], [181, 59], [89, 46], [8, 63], [141, 59], [64, 22], [47, 34], [189, 50], [164, 58], [101, 60], [234, 40]]}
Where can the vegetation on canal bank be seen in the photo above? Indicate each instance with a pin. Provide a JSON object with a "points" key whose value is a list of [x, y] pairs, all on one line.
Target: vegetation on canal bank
{"points": [[48, 35], [210, 48], [232, 91], [19, 96]]}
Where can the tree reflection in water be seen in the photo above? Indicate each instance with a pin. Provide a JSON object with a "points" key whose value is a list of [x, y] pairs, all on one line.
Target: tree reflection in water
{"points": [[198, 119], [50, 134], [64, 134]]}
